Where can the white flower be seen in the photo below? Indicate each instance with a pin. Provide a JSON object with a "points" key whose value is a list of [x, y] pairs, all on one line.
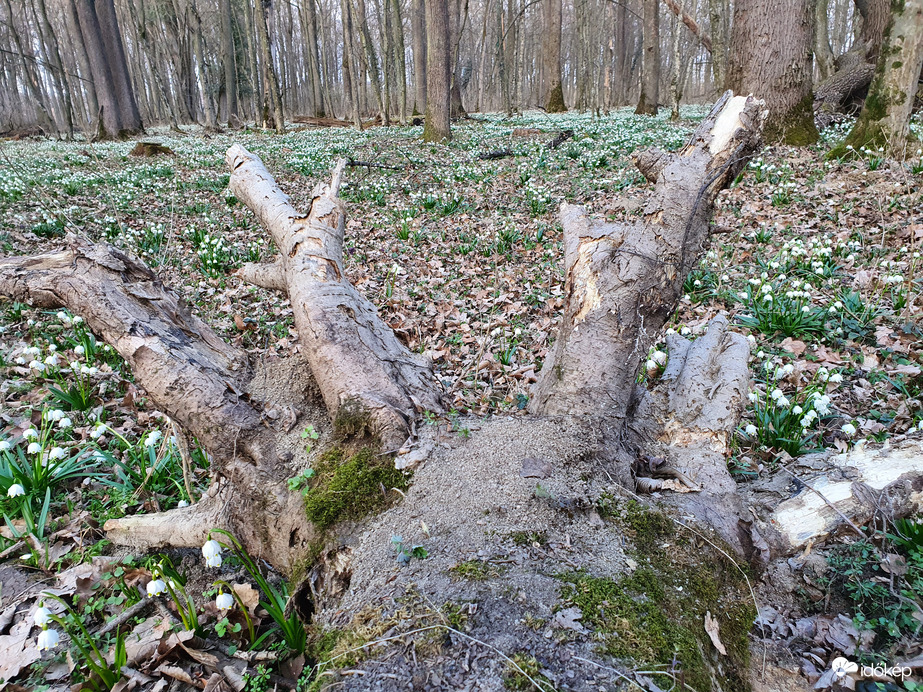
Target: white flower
{"points": [[782, 402], [98, 431], [823, 373], [212, 553], [52, 360], [65, 423], [797, 410], [849, 429], [79, 350], [34, 448], [752, 396], [35, 365], [48, 639], [182, 503], [152, 438], [16, 490], [57, 453], [659, 357], [31, 433], [55, 414], [751, 430], [685, 331], [5, 446], [155, 587], [78, 320], [42, 616], [225, 601], [761, 354], [836, 378], [776, 394]]}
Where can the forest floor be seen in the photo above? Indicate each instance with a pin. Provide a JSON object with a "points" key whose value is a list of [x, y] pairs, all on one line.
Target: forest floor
{"points": [[818, 260]]}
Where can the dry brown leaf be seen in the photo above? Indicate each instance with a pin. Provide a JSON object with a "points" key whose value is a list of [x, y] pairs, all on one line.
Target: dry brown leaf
{"points": [[793, 346], [249, 596]]}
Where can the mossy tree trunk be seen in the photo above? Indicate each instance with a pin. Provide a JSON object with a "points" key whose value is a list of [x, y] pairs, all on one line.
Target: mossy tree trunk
{"points": [[771, 57], [884, 122]]}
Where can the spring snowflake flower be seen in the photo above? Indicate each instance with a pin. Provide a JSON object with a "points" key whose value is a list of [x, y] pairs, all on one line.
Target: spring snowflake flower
{"points": [[16, 490], [182, 503], [30, 434], [98, 431], [776, 394], [849, 429], [783, 402], [225, 601], [42, 616], [155, 587], [79, 350], [212, 553], [34, 448], [823, 374], [751, 430], [797, 410], [821, 403], [752, 396], [659, 357], [65, 423], [55, 414], [57, 453], [48, 639], [63, 316], [37, 366], [152, 438], [78, 320], [5, 446], [836, 378], [52, 360]]}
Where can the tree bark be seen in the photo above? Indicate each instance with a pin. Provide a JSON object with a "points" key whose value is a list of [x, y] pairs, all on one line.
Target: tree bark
{"points": [[229, 63], [770, 56], [83, 60], [270, 80], [436, 127], [418, 31], [129, 115], [823, 54], [885, 119], [719, 12], [551, 58], [650, 76]]}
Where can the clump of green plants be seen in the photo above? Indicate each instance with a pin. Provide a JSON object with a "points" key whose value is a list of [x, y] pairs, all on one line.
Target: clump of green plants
{"points": [[477, 570], [524, 672], [781, 307], [884, 583], [351, 487]]}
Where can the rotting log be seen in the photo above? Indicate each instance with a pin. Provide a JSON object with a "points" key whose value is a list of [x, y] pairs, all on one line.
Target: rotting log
{"points": [[622, 283], [369, 380], [190, 374]]}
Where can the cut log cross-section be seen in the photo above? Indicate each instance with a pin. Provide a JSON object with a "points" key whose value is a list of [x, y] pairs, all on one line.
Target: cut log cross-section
{"points": [[368, 379]]}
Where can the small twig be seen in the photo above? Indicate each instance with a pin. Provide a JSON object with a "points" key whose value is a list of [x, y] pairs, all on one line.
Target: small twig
{"points": [[125, 616], [368, 164], [250, 656]]}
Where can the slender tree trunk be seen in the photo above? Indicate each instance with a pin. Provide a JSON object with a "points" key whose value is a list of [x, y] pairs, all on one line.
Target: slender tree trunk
{"points": [[399, 58], [57, 72], [885, 119], [207, 109], [770, 57], [32, 84], [719, 11], [229, 63], [675, 71], [271, 81], [368, 49], [649, 100], [314, 63], [875, 17], [438, 72], [553, 93], [129, 115], [823, 54], [350, 76], [83, 60], [418, 40]]}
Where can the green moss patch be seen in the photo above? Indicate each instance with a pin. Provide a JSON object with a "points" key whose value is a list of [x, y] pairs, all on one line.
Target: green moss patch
{"points": [[656, 614], [351, 488], [477, 570]]}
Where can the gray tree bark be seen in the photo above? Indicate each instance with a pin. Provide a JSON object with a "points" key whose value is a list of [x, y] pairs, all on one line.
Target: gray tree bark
{"points": [[438, 73], [650, 76]]}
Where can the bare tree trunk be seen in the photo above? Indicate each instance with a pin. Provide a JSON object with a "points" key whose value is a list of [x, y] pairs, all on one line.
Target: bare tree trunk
{"points": [[438, 73], [129, 115], [57, 72], [207, 108], [368, 49], [552, 91], [229, 63], [675, 71], [33, 86], [650, 79], [875, 17], [83, 60], [399, 58], [419, 40], [823, 54], [271, 82], [770, 56], [885, 118], [350, 77], [719, 12]]}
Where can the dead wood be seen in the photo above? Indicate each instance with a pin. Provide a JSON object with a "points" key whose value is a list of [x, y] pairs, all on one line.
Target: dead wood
{"points": [[151, 149], [496, 154], [560, 138], [370, 382]]}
